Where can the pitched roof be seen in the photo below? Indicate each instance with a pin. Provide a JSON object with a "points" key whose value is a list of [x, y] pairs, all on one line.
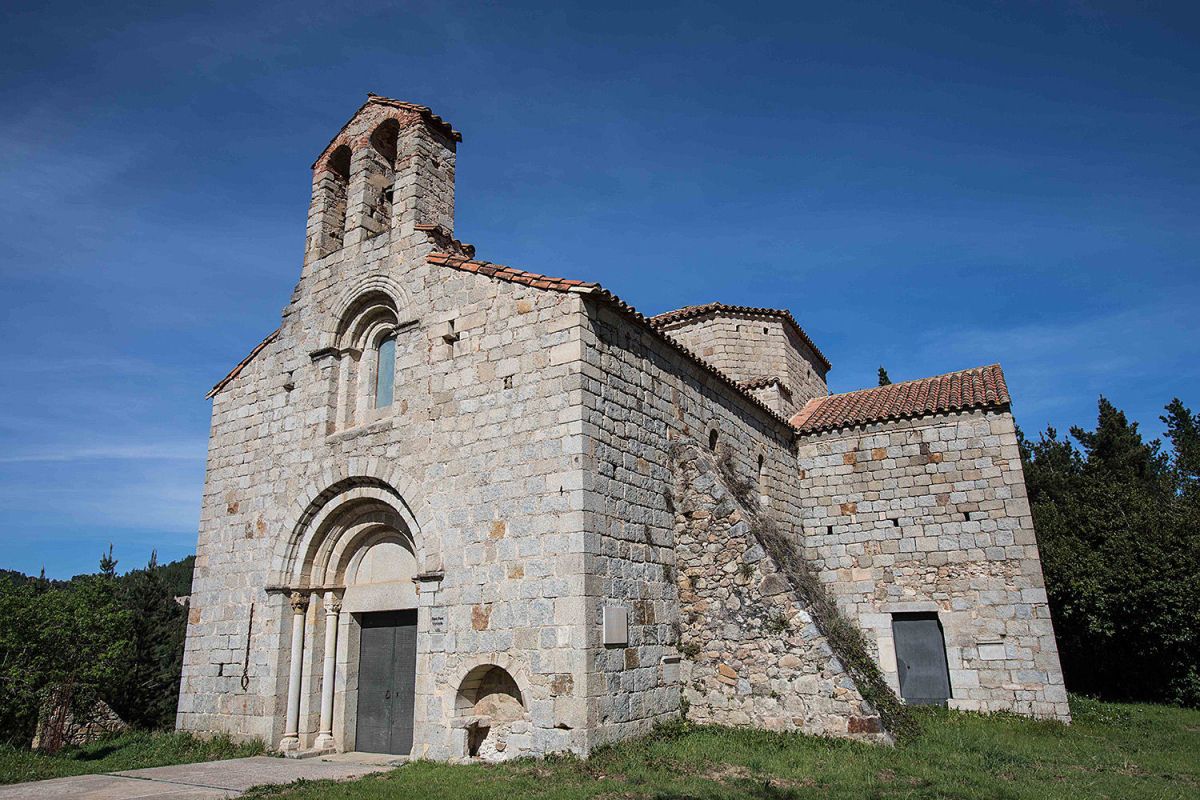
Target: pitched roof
{"points": [[592, 289], [694, 312], [981, 387], [233, 373], [425, 112], [763, 382], [512, 274]]}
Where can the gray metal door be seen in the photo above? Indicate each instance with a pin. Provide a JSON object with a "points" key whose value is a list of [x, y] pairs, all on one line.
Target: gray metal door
{"points": [[921, 659], [387, 675]]}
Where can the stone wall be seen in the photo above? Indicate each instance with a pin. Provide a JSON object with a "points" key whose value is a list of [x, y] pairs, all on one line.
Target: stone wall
{"points": [[58, 725], [753, 654], [528, 456], [931, 515], [641, 396], [479, 449], [751, 347]]}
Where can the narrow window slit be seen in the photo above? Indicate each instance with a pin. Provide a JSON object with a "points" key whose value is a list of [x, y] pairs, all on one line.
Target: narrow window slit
{"points": [[385, 372]]}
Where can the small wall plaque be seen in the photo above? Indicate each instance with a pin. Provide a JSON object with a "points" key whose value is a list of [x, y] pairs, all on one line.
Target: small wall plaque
{"points": [[616, 626], [991, 651], [437, 619]]}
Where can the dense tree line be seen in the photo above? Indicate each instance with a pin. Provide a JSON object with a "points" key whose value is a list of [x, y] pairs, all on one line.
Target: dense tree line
{"points": [[1118, 525], [117, 638]]}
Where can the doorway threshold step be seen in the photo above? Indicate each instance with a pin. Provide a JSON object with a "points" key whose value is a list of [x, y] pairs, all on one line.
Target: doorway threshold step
{"points": [[370, 759]]}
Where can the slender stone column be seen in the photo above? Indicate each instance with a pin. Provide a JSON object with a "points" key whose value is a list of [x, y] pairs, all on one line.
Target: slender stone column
{"points": [[291, 735], [333, 606]]}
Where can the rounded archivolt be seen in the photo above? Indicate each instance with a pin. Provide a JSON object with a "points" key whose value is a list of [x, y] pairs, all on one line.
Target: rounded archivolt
{"points": [[371, 312], [376, 290], [339, 525]]}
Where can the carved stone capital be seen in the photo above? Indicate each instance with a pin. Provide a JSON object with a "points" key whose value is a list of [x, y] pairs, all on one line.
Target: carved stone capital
{"points": [[299, 602], [333, 603]]}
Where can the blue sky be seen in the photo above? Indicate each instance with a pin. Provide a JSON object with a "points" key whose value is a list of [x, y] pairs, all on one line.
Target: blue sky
{"points": [[926, 186]]}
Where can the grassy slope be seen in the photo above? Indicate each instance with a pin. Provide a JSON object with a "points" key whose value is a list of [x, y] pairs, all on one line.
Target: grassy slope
{"points": [[128, 751], [1112, 751]]}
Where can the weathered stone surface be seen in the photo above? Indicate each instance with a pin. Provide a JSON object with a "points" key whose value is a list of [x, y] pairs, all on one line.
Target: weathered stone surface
{"points": [[522, 479], [58, 726]]}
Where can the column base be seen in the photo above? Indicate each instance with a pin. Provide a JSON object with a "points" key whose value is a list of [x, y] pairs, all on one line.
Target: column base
{"points": [[325, 743], [289, 744]]}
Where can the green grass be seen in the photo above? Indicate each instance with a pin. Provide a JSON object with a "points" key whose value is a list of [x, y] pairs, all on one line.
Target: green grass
{"points": [[1112, 751], [128, 751]]}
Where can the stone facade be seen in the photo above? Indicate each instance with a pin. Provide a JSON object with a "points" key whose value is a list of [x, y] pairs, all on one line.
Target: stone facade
{"points": [[931, 515], [497, 451], [763, 349]]}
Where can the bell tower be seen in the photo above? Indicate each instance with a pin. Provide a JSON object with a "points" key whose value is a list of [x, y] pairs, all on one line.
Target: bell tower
{"points": [[389, 169]]}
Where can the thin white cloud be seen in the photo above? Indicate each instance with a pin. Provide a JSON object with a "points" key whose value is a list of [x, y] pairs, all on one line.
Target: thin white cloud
{"points": [[193, 450], [1124, 342]]}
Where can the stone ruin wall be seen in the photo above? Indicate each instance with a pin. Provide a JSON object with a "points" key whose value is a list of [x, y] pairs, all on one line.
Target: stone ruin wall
{"points": [[931, 515], [753, 654]]}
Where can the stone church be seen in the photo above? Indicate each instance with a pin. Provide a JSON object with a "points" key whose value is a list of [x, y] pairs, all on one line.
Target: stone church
{"points": [[457, 509]]}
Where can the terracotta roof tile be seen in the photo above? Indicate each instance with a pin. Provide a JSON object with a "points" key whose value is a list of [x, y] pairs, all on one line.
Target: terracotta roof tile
{"points": [[981, 387], [762, 383], [511, 274], [233, 373], [694, 312], [424, 111]]}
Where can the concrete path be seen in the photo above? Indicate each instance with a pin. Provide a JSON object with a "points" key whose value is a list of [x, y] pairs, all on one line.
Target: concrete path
{"points": [[209, 780]]}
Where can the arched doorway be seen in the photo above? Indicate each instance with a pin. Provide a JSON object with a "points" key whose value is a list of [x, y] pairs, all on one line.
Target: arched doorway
{"points": [[381, 600], [358, 554]]}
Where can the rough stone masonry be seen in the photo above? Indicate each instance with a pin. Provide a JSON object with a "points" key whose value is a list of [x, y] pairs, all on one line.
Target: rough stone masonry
{"points": [[459, 510]]}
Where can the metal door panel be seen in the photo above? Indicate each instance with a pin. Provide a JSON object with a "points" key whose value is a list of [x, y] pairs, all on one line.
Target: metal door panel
{"points": [[386, 682], [404, 683], [921, 659], [376, 654]]}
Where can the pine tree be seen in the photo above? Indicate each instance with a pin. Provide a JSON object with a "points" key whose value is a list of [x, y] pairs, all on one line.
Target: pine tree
{"points": [[1183, 430], [108, 564], [1120, 553], [148, 694]]}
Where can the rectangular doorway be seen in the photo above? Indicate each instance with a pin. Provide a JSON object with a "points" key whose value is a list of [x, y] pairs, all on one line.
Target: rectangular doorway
{"points": [[387, 677], [921, 658]]}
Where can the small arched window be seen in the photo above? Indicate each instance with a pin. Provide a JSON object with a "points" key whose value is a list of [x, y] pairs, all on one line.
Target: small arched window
{"points": [[367, 350], [712, 439], [385, 371]]}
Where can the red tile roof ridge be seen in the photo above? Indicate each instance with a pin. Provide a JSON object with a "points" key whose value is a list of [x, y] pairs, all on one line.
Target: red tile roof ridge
{"points": [[426, 113], [694, 311], [801, 416], [233, 373], [595, 289], [761, 382], [974, 388]]}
